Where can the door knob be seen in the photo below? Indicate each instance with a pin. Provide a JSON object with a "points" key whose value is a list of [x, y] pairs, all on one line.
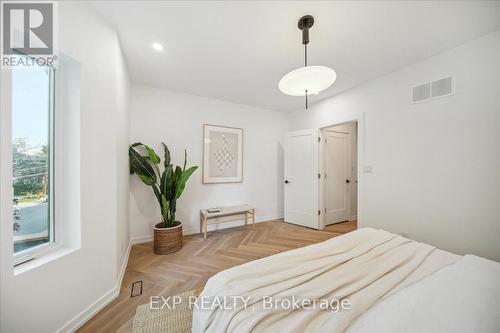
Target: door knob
{"points": [[347, 181], [287, 182]]}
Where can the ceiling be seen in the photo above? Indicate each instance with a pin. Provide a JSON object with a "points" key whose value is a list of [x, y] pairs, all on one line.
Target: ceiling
{"points": [[239, 50]]}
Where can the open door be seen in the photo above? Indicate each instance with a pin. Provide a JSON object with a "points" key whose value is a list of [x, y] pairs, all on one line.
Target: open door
{"points": [[301, 191], [337, 176]]}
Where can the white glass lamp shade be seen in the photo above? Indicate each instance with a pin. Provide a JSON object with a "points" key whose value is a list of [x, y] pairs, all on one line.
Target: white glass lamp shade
{"points": [[314, 79]]}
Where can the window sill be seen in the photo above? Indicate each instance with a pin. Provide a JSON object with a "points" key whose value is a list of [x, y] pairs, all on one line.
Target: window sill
{"points": [[43, 259]]}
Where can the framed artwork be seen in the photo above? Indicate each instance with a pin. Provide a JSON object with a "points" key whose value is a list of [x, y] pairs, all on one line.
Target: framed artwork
{"points": [[222, 154]]}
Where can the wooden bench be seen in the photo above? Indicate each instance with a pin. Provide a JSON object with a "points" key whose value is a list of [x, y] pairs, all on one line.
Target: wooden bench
{"points": [[227, 214]]}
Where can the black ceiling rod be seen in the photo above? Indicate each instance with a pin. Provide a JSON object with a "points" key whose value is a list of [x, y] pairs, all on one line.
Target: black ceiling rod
{"points": [[305, 55], [304, 24]]}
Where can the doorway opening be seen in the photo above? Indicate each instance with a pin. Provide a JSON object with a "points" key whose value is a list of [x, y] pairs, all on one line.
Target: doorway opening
{"points": [[340, 173], [316, 195]]}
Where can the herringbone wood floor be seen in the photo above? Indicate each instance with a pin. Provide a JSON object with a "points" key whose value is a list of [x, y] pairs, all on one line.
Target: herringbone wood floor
{"points": [[198, 260]]}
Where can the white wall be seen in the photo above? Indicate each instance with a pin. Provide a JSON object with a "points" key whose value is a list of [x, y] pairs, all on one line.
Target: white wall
{"points": [[52, 296], [177, 119], [435, 164], [122, 128]]}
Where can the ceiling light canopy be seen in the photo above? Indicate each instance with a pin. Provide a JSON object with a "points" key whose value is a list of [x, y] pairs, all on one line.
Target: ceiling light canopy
{"points": [[157, 46], [307, 80]]}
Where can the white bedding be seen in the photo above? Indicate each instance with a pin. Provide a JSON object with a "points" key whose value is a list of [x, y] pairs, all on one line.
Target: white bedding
{"points": [[394, 285], [464, 297]]}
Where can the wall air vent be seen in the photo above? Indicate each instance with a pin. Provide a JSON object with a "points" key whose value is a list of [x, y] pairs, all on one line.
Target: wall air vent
{"points": [[422, 92], [431, 90]]}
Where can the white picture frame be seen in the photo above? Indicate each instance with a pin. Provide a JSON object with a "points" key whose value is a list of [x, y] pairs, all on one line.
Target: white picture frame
{"points": [[222, 154]]}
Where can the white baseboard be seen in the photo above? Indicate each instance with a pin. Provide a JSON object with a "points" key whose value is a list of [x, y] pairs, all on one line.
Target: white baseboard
{"points": [[89, 312], [124, 265], [98, 305]]}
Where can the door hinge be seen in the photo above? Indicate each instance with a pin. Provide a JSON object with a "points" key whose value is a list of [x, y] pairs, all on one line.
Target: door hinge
{"points": [[319, 212], [319, 139], [319, 175], [325, 210]]}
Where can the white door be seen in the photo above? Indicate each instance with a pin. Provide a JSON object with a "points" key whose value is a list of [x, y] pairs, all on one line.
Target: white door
{"points": [[301, 178], [336, 177]]}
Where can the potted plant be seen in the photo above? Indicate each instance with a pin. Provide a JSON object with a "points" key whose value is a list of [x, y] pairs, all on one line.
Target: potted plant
{"points": [[167, 187]]}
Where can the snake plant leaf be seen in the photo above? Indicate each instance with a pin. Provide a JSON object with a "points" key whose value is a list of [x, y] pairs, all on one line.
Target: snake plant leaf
{"points": [[166, 155], [164, 204], [181, 183], [173, 205], [146, 180], [166, 181], [157, 192], [185, 160], [143, 169], [177, 175], [152, 155], [172, 190], [131, 169], [178, 171]]}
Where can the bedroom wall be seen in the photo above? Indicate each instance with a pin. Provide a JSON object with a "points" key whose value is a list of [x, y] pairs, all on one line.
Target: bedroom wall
{"points": [[177, 119], [61, 293], [122, 120], [435, 163]]}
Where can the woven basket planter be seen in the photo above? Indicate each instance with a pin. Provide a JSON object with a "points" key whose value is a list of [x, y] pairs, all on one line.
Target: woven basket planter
{"points": [[167, 240]]}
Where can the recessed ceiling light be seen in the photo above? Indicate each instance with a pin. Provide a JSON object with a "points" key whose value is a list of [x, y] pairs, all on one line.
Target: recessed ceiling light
{"points": [[157, 47]]}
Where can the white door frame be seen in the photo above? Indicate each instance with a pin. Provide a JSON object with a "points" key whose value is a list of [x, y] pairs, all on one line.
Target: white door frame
{"points": [[360, 119]]}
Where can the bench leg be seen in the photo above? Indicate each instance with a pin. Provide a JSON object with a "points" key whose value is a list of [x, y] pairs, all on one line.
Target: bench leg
{"points": [[253, 218], [205, 225], [246, 218]]}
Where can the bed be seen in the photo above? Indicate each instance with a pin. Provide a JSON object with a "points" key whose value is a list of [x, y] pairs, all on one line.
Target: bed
{"points": [[370, 280]]}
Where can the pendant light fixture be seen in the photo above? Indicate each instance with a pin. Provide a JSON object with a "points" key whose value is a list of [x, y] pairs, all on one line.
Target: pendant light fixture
{"points": [[307, 80]]}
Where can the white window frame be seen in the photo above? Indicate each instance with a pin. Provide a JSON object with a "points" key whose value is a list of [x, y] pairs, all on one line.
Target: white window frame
{"points": [[55, 142]]}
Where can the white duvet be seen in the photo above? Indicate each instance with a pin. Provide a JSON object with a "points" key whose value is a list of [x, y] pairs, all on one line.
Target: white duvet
{"points": [[464, 297], [393, 284]]}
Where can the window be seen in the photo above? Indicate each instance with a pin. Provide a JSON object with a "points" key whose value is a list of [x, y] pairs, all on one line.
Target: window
{"points": [[32, 158]]}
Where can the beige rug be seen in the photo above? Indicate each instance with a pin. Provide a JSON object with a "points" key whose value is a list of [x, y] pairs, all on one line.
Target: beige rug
{"points": [[165, 320]]}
